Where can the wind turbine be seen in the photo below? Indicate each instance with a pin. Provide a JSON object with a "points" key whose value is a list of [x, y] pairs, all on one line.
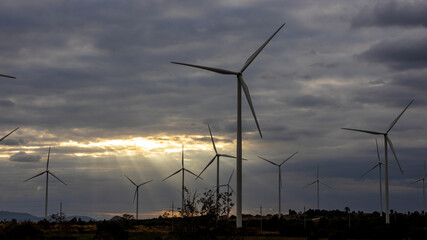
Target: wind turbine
{"points": [[7, 76], [228, 192], [318, 183], [183, 170], [280, 178], [136, 195], [240, 84], [386, 140], [423, 179], [217, 155], [1, 139], [47, 182]]}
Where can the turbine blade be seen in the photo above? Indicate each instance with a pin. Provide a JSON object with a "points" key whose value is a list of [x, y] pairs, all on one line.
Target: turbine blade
{"points": [[325, 184], [288, 159], [57, 178], [310, 184], [255, 54], [130, 180], [7, 76], [280, 179], [229, 180], [378, 151], [397, 118], [174, 173], [419, 180], [372, 168], [35, 176], [48, 156], [134, 195], [248, 98], [213, 142], [217, 70], [192, 173], [365, 131], [9, 134], [144, 183], [210, 162], [394, 153], [229, 156], [269, 161]]}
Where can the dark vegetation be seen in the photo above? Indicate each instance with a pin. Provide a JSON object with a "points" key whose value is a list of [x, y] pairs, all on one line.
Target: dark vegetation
{"points": [[204, 219]]}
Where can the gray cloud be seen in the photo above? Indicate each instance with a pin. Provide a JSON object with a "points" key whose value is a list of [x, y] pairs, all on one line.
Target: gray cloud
{"points": [[399, 53], [392, 13], [24, 157]]}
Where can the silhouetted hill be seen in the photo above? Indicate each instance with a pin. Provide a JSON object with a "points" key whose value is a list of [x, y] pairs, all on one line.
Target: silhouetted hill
{"points": [[20, 217], [116, 218]]}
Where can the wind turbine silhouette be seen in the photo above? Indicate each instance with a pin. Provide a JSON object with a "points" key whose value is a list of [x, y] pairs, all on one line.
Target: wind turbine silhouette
{"points": [[318, 183], [423, 179], [1, 139], [183, 171], [240, 84], [280, 178], [7, 76], [386, 140], [228, 193], [217, 155], [47, 181], [136, 195]]}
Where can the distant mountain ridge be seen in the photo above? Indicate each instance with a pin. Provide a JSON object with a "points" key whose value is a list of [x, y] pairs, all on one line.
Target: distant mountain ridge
{"points": [[21, 217]]}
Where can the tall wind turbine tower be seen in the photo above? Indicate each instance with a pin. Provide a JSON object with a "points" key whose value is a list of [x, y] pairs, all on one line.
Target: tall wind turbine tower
{"points": [[387, 141], [183, 171], [136, 195], [47, 182], [318, 182], [240, 84], [280, 178]]}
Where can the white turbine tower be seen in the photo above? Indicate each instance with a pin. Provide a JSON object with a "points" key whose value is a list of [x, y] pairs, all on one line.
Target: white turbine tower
{"points": [[217, 155], [318, 183], [240, 84], [47, 181], [387, 141], [183, 170], [1, 139], [280, 178], [136, 195], [423, 179], [6, 76], [228, 193]]}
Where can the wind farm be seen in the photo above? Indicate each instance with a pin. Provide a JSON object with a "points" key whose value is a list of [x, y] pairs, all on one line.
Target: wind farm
{"points": [[95, 83]]}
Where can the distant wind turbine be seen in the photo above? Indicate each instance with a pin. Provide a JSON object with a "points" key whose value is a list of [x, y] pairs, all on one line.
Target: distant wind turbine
{"points": [[136, 195], [183, 170], [47, 182], [386, 140], [318, 183], [280, 178], [228, 193], [240, 84], [7, 76], [217, 155], [423, 179], [1, 139]]}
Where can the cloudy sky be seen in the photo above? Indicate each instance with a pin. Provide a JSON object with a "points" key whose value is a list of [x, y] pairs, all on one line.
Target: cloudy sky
{"points": [[95, 82]]}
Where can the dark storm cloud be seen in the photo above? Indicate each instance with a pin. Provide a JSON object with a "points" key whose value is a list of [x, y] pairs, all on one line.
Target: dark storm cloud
{"points": [[392, 13], [399, 53], [24, 157]]}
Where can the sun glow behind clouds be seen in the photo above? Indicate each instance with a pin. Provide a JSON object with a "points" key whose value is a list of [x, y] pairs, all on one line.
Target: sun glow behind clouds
{"points": [[137, 145]]}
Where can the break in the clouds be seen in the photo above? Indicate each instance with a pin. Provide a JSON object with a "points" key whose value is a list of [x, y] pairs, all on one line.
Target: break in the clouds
{"points": [[24, 157], [403, 13]]}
